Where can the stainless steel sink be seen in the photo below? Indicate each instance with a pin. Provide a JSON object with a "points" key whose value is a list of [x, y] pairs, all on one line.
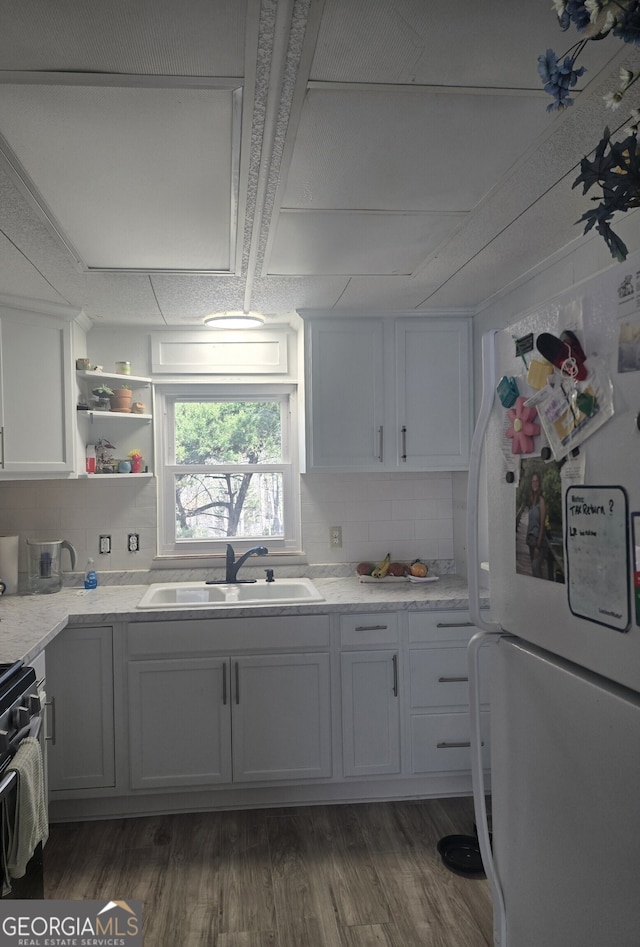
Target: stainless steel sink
{"points": [[176, 595]]}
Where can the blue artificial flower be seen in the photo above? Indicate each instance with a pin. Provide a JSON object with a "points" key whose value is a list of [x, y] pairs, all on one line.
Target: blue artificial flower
{"points": [[558, 77], [627, 25], [575, 12]]}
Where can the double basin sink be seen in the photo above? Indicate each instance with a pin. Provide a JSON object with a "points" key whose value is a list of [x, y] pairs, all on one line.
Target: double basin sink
{"points": [[175, 595]]}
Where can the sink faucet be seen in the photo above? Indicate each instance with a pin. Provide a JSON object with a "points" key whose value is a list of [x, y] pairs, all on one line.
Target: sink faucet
{"points": [[233, 567]]}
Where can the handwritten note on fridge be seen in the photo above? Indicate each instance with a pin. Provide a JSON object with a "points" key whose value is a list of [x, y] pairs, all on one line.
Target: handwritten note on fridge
{"points": [[596, 521]]}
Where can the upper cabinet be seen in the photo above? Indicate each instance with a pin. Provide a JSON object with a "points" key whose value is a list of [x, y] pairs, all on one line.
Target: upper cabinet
{"points": [[387, 393], [36, 401]]}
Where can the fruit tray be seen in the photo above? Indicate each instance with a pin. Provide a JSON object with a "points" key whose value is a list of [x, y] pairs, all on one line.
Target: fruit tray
{"points": [[384, 578]]}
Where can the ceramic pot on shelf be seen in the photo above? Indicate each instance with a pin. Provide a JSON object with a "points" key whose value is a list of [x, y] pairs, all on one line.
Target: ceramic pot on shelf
{"points": [[121, 400]]}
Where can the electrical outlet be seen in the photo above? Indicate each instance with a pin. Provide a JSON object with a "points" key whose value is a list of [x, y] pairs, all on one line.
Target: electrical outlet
{"points": [[104, 544], [133, 542], [335, 537]]}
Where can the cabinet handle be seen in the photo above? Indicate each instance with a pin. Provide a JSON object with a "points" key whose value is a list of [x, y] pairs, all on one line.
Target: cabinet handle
{"points": [[452, 680], [394, 661], [371, 627], [51, 738], [455, 624], [237, 682], [224, 683], [1, 447], [381, 443], [403, 431], [454, 746]]}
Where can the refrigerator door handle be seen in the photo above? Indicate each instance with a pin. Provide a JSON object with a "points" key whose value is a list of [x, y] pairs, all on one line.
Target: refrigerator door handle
{"points": [[477, 779], [473, 487]]}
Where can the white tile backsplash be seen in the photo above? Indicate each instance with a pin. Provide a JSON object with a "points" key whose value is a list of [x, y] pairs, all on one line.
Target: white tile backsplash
{"points": [[408, 515]]}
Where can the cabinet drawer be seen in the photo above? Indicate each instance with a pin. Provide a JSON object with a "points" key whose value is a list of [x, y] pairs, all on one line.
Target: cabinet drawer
{"points": [[426, 627], [215, 635], [438, 677], [367, 629], [440, 743]]}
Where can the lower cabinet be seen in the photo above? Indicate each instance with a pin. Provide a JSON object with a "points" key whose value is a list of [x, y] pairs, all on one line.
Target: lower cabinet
{"points": [[80, 682], [266, 710], [212, 719], [370, 688], [439, 722]]}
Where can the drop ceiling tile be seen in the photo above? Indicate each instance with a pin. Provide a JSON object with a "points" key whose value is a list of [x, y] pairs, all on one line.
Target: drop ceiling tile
{"points": [[163, 38], [281, 294], [423, 150], [187, 299], [384, 292], [139, 177], [121, 298], [489, 44], [355, 243], [20, 278]]}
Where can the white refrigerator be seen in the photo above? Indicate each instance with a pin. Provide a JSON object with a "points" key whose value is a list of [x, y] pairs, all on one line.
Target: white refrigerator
{"points": [[563, 860]]}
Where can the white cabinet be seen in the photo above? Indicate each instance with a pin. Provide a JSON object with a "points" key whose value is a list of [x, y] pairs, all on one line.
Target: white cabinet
{"points": [[345, 394], [36, 400], [388, 393], [370, 685], [439, 724], [81, 712], [179, 722], [126, 431], [433, 393], [199, 717], [281, 717]]}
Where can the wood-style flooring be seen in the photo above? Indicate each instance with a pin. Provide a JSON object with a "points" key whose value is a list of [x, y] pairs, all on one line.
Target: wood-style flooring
{"points": [[365, 875]]}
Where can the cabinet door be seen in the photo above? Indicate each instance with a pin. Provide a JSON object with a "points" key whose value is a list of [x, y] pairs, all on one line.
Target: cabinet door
{"points": [[370, 713], [345, 395], [179, 722], [80, 687], [281, 717], [433, 393], [35, 396]]}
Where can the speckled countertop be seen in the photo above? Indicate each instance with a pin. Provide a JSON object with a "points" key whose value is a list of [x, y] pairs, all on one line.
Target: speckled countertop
{"points": [[29, 623]]}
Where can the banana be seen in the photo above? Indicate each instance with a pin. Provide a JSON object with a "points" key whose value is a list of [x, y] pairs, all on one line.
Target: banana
{"points": [[383, 567]]}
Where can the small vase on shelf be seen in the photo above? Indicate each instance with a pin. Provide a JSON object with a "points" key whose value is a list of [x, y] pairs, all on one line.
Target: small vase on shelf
{"points": [[136, 461]]}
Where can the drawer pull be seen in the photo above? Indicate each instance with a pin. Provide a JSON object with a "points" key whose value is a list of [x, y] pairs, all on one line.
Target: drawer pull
{"points": [[455, 624], [454, 746], [371, 627], [452, 680]]}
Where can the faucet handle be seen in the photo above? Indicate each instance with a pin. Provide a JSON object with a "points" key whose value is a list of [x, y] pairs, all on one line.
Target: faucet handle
{"points": [[269, 575]]}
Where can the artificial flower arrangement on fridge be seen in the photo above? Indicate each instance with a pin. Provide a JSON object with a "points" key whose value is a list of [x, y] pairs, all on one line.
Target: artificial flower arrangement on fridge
{"points": [[615, 165]]}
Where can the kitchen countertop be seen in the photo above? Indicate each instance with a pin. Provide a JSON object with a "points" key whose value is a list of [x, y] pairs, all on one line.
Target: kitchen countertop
{"points": [[28, 623]]}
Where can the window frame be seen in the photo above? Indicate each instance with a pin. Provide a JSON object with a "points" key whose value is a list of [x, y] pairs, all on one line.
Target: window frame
{"points": [[166, 396]]}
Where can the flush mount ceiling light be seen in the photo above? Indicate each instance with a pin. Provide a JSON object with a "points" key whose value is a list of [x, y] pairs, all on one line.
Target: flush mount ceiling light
{"points": [[234, 320]]}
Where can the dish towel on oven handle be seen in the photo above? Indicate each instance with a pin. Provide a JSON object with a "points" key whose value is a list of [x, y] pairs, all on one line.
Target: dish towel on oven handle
{"points": [[28, 825]]}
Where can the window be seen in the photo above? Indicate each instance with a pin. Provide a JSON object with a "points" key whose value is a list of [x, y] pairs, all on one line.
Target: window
{"points": [[226, 468]]}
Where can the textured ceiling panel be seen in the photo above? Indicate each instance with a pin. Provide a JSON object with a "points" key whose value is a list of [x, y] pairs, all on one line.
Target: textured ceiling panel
{"points": [[119, 297], [275, 294], [138, 177], [18, 277], [189, 38], [183, 299], [418, 151], [407, 292], [356, 243], [442, 42]]}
